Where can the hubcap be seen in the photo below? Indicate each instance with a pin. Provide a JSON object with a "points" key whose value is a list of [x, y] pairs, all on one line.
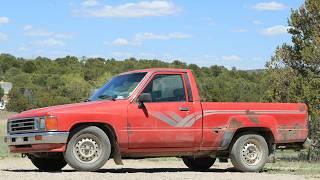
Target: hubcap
{"points": [[251, 154], [87, 149]]}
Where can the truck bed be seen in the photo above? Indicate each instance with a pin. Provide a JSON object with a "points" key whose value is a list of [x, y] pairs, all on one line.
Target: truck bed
{"points": [[288, 122]]}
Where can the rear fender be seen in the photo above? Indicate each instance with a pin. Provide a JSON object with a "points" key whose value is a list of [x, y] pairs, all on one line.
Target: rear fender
{"points": [[249, 122]]}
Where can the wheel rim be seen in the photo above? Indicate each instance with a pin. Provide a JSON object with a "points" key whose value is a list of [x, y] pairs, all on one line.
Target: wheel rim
{"points": [[251, 153], [87, 149]]}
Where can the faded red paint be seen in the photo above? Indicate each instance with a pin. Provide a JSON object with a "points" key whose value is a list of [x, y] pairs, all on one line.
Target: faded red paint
{"points": [[140, 133]]}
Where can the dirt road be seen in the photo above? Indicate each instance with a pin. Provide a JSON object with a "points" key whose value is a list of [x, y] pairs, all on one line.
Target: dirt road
{"points": [[21, 168]]}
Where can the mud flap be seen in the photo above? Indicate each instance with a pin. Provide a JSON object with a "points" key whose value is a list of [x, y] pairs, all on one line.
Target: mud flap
{"points": [[117, 155], [272, 158]]}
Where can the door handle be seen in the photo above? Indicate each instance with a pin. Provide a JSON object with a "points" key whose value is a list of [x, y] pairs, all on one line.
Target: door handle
{"points": [[184, 109]]}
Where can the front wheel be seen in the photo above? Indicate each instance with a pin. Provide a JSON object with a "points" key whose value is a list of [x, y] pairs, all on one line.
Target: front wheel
{"points": [[55, 163], [88, 149], [249, 153], [198, 164]]}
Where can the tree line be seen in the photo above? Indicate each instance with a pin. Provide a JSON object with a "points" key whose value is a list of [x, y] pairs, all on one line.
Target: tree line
{"points": [[42, 82]]}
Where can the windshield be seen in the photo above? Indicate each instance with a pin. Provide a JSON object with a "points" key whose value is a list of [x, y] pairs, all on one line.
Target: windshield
{"points": [[119, 87]]}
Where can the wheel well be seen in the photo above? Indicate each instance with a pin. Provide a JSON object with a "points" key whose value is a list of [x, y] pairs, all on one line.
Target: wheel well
{"points": [[107, 128], [264, 132]]}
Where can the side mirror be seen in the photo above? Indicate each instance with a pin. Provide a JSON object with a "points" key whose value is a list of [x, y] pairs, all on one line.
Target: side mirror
{"points": [[144, 97]]}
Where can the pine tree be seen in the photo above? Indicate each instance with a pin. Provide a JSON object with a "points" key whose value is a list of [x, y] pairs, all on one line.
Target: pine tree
{"points": [[295, 68]]}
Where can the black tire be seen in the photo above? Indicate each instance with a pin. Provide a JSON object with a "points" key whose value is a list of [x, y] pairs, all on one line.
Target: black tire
{"points": [[249, 153], [97, 141], [198, 164], [48, 164]]}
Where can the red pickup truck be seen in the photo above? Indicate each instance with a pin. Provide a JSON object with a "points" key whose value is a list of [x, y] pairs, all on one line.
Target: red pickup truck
{"points": [[156, 113]]}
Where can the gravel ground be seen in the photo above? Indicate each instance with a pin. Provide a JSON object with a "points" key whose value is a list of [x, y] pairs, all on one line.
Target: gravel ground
{"points": [[152, 169]]}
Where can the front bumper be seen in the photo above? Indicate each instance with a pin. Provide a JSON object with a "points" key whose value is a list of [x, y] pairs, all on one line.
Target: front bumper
{"points": [[37, 138]]}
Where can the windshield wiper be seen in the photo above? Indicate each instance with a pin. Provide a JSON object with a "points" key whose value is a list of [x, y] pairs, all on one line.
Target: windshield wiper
{"points": [[104, 96]]}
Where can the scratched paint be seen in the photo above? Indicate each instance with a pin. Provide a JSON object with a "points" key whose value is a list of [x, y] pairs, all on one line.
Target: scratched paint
{"points": [[302, 108], [235, 123], [291, 133], [252, 116]]}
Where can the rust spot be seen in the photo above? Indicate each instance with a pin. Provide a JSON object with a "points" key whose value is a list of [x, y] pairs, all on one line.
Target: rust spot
{"points": [[252, 117], [284, 132], [217, 129], [297, 126], [302, 108], [290, 133], [226, 139], [235, 123]]}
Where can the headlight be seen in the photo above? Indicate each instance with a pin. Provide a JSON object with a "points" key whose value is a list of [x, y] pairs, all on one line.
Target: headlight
{"points": [[47, 123]]}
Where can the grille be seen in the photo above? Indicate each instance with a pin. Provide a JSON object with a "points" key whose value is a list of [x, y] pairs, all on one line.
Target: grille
{"points": [[22, 125]]}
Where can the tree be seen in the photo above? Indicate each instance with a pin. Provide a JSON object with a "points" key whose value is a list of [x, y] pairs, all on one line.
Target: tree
{"points": [[18, 102], [295, 68]]}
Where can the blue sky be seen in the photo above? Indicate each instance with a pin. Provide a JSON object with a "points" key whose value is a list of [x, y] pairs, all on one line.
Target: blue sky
{"points": [[239, 33]]}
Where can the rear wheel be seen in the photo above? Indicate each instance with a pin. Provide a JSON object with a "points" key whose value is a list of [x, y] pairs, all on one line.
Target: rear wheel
{"points": [[88, 149], [198, 164], [48, 163], [249, 153]]}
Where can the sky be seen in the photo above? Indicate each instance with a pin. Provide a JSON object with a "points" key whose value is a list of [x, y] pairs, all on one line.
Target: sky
{"points": [[232, 33]]}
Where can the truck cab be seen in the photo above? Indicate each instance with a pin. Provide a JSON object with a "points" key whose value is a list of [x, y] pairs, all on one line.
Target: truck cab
{"points": [[156, 113]]}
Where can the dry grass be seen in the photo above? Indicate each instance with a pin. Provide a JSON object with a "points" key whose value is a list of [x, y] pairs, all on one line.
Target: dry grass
{"points": [[294, 167]]}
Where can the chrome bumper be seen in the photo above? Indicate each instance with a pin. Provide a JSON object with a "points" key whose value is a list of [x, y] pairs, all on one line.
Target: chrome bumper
{"points": [[37, 138]]}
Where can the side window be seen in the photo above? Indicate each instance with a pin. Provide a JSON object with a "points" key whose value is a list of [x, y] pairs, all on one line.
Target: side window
{"points": [[166, 88]]}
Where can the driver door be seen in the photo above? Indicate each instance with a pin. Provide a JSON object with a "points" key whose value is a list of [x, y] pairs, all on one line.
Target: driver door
{"points": [[170, 120]]}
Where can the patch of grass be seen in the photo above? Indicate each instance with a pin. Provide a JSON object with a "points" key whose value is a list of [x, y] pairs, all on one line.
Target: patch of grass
{"points": [[293, 167]]}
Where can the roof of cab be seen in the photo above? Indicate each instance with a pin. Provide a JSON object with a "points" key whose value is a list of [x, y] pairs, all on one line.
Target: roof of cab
{"points": [[157, 70]]}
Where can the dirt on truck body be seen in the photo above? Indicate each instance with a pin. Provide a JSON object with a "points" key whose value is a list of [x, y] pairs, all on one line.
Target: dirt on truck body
{"points": [[156, 113]]}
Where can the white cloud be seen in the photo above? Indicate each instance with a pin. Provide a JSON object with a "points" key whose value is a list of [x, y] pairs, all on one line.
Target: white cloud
{"points": [[269, 6], [120, 42], [39, 32], [133, 10], [275, 30], [51, 42], [3, 36], [179, 35], [4, 20], [27, 27], [30, 31], [231, 58], [90, 3], [139, 38]]}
